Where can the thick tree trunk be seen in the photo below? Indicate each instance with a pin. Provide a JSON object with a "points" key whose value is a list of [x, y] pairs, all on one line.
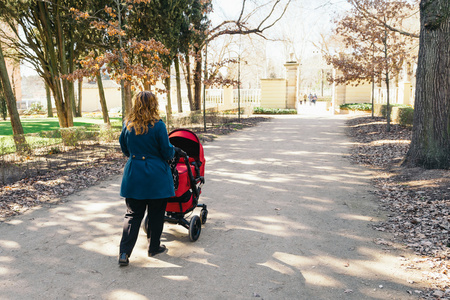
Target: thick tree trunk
{"points": [[101, 93], [177, 72], [430, 143], [67, 102], [49, 102], [19, 138]]}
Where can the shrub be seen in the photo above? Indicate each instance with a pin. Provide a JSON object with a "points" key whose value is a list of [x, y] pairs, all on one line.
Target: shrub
{"points": [[36, 108], [7, 145], [274, 111], [406, 115], [108, 133], [72, 135], [384, 108], [356, 106]]}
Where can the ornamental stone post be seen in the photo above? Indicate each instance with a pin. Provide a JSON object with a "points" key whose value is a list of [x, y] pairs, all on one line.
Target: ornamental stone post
{"points": [[291, 83]]}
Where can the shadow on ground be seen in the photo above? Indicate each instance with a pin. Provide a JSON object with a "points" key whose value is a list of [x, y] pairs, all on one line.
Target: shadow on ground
{"points": [[289, 218]]}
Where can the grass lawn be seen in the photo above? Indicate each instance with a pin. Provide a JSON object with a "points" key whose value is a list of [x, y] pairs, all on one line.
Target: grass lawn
{"points": [[34, 125], [47, 127]]}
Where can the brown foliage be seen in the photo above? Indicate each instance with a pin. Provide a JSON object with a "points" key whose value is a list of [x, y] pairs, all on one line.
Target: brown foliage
{"points": [[371, 44], [131, 60]]}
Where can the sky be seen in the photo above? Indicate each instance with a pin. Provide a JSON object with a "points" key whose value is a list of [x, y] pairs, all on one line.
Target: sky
{"points": [[302, 25], [298, 34]]}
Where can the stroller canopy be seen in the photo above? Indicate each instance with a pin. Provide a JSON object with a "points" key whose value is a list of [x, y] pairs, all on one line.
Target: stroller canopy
{"points": [[189, 142]]}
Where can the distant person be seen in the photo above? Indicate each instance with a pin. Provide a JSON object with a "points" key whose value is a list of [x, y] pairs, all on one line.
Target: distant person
{"points": [[310, 96], [314, 99], [304, 98], [147, 181]]}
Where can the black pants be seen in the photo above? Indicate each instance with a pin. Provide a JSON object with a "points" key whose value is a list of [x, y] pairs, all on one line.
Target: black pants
{"points": [[156, 209]]}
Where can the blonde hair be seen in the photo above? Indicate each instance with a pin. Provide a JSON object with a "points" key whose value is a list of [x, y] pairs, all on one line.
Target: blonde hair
{"points": [[143, 113]]}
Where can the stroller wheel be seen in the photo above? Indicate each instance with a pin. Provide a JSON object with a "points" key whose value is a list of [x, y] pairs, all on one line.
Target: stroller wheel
{"points": [[204, 215], [195, 227]]}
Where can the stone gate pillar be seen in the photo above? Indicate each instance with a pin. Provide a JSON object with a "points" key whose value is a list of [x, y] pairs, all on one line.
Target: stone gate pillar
{"points": [[291, 83]]}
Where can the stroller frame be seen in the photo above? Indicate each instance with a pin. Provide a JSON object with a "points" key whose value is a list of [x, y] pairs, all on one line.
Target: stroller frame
{"points": [[194, 225], [192, 195]]}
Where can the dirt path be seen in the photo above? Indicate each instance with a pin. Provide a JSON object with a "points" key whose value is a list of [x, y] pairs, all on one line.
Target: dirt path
{"points": [[289, 218]]}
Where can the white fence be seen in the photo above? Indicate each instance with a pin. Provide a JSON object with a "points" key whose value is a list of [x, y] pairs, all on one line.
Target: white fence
{"points": [[380, 95], [396, 96], [214, 97], [217, 98], [248, 97]]}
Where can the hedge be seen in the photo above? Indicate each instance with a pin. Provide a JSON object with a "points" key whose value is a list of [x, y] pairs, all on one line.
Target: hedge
{"points": [[400, 113], [356, 106], [274, 111]]}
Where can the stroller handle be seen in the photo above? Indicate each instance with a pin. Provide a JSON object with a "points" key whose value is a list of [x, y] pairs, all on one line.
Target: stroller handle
{"points": [[180, 152]]}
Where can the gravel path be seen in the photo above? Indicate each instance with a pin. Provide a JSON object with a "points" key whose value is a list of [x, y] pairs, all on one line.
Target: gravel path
{"points": [[289, 218]]}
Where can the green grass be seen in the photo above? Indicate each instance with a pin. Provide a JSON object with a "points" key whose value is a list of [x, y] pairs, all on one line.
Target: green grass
{"points": [[36, 125], [40, 132]]}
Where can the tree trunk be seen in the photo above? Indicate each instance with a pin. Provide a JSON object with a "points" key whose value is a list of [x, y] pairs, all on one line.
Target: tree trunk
{"points": [[124, 100], [177, 72], [430, 143], [188, 78], [128, 96], [169, 100], [19, 138], [80, 98], [101, 93], [71, 83], [147, 85], [64, 71], [198, 83], [49, 102], [388, 106], [3, 107]]}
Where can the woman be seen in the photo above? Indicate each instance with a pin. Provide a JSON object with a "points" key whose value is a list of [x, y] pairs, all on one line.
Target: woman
{"points": [[147, 181]]}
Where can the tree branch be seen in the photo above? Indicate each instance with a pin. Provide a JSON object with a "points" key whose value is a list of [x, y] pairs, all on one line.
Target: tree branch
{"points": [[368, 15], [240, 28]]}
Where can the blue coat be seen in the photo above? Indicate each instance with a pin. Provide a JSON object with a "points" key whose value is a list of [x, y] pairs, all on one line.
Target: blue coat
{"points": [[147, 174]]}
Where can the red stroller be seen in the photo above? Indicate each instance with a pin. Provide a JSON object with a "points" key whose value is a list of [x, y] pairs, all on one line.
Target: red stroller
{"points": [[191, 169]]}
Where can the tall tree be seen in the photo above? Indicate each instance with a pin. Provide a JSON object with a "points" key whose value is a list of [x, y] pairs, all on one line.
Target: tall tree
{"points": [[41, 39], [430, 143], [167, 18], [19, 139], [124, 52], [371, 51]]}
